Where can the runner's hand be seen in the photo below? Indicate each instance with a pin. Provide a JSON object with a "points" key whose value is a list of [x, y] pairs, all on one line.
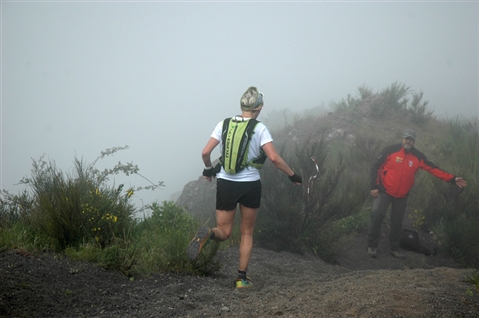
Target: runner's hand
{"points": [[209, 173], [295, 178]]}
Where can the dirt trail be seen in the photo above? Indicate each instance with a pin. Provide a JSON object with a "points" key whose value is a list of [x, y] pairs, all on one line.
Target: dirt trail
{"points": [[285, 285]]}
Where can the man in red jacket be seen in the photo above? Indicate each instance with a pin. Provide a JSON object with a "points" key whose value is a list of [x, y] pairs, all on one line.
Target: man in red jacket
{"points": [[392, 176]]}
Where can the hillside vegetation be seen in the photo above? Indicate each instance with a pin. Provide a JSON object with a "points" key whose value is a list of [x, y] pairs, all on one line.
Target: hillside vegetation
{"points": [[82, 215], [333, 153]]}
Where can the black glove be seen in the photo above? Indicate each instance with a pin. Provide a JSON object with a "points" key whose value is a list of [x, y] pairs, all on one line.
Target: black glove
{"points": [[295, 178], [209, 172], [212, 172]]}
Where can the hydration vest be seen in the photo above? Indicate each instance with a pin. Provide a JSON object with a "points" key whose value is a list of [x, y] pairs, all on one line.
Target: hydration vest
{"points": [[236, 136]]}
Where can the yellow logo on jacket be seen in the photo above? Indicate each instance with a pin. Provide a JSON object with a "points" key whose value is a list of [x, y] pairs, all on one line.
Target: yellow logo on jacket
{"points": [[399, 159]]}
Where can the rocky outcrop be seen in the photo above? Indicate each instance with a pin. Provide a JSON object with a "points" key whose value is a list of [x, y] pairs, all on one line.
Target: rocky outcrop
{"points": [[198, 197]]}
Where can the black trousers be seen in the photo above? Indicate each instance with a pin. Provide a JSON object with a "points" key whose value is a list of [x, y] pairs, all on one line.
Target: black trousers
{"points": [[380, 207]]}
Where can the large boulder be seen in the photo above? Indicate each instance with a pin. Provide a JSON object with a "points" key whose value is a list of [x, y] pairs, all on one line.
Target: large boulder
{"points": [[199, 197]]}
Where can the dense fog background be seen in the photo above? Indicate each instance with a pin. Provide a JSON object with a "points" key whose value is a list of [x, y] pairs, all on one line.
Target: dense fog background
{"points": [[80, 77]]}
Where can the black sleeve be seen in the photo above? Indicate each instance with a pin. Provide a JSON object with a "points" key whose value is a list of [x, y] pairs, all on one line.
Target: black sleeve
{"points": [[373, 174]]}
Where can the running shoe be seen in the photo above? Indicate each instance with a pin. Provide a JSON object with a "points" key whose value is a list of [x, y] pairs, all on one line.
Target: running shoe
{"points": [[195, 246], [244, 283]]}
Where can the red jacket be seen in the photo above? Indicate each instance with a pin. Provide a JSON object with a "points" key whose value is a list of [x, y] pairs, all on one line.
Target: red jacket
{"points": [[395, 168]]}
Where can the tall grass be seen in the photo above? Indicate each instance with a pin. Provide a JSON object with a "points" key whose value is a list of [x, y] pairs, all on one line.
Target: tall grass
{"points": [[163, 238]]}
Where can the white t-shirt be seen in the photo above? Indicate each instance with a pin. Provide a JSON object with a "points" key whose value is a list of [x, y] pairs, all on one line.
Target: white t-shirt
{"points": [[260, 137]]}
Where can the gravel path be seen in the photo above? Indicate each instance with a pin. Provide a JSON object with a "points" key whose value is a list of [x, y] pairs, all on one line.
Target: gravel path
{"points": [[285, 285]]}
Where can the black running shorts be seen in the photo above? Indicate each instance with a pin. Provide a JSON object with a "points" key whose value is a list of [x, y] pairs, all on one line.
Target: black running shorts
{"points": [[230, 193]]}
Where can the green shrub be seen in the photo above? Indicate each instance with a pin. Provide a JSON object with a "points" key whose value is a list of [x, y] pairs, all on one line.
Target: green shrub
{"points": [[419, 110], [394, 97], [453, 213], [16, 225], [162, 240], [473, 278], [392, 100], [80, 214], [76, 208], [14, 208], [156, 243], [19, 236]]}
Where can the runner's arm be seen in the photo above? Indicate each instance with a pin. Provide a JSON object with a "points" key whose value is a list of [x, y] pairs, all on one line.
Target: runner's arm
{"points": [[206, 154], [276, 159]]}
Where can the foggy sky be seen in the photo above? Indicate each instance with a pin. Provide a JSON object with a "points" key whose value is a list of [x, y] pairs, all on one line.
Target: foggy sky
{"points": [[80, 77]]}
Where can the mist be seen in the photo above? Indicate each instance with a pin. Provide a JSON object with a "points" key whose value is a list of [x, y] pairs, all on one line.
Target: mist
{"points": [[81, 77]]}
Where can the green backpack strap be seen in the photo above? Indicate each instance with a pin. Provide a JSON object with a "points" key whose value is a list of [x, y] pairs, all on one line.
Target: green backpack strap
{"points": [[259, 161]]}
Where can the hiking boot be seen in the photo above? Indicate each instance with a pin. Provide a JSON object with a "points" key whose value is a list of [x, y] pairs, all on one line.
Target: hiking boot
{"points": [[194, 248], [243, 283], [373, 252], [397, 254]]}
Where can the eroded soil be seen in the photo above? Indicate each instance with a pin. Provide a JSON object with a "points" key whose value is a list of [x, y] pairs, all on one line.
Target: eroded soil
{"points": [[285, 285]]}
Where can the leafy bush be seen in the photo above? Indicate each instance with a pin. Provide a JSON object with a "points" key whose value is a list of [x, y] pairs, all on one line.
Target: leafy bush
{"points": [[419, 112], [392, 100], [73, 208]]}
